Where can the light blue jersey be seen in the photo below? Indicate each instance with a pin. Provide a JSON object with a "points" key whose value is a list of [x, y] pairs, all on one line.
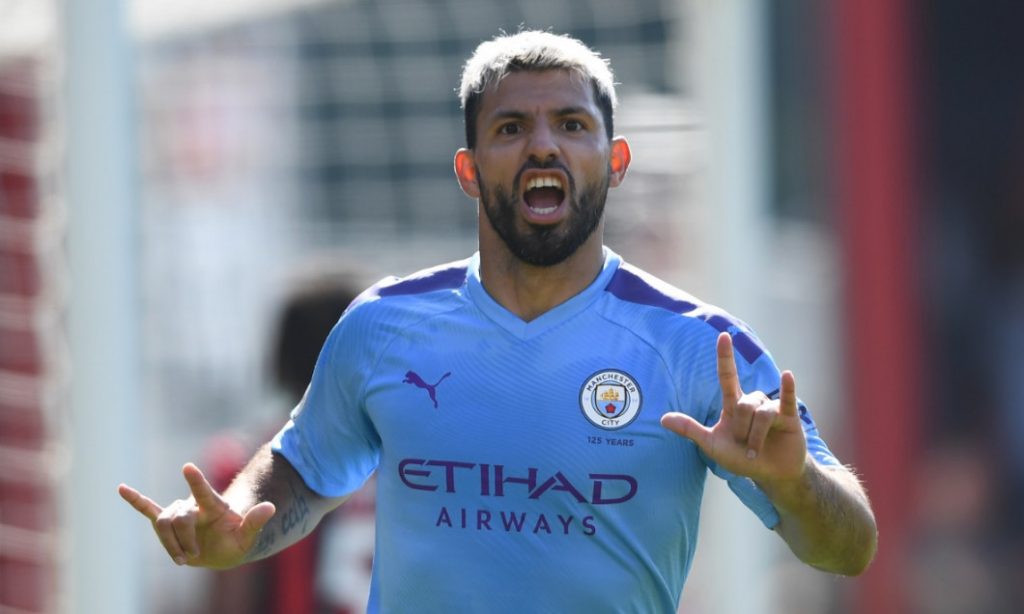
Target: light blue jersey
{"points": [[521, 466]]}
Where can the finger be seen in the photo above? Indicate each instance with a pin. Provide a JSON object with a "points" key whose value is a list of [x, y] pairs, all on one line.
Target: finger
{"points": [[728, 378], [206, 497], [743, 414], [184, 526], [684, 425], [256, 518], [787, 394], [143, 504], [253, 523], [165, 533], [760, 424]]}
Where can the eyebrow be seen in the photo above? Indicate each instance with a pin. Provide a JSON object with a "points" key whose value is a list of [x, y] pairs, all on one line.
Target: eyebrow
{"points": [[502, 114], [572, 111], [507, 114]]}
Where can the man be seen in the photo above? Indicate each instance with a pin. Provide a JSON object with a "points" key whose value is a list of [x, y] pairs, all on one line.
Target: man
{"points": [[541, 417]]}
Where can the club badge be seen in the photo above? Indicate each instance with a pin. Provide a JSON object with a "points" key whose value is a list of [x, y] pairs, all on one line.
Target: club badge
{"points": [[610, 399]]}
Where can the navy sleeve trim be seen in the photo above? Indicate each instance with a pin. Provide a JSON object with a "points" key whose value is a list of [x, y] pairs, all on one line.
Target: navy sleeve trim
{"points": [[446, 277], [632, 288]]}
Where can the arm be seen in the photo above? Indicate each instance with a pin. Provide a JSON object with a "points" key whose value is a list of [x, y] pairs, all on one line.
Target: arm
{"points": [[825, 517], [270, 477], [267, 508]]}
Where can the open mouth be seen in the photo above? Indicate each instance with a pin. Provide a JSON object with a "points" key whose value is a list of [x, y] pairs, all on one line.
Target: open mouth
{"points": [[544, 194]]}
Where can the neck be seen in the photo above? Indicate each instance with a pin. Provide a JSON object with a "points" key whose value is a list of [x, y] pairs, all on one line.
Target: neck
{"points": [[530, 291]]}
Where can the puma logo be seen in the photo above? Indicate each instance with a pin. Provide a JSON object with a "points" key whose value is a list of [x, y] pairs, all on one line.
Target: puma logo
{"points": [[411, 377]]}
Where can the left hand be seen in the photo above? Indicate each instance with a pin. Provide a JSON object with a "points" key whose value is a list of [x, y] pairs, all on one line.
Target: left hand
{"points": [[755, 436]]}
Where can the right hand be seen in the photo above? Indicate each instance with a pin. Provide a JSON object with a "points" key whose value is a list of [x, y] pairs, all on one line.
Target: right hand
{"points": [[203, 530]]}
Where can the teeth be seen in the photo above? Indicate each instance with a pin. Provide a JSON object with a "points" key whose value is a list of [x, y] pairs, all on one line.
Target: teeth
{"points": [[544, 182], [543, 210]]}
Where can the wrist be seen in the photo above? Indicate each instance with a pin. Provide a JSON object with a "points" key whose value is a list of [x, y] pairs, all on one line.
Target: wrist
{"points": [[791, 492]]}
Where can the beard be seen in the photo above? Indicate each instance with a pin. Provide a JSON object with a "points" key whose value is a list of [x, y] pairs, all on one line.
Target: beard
{"points": [[545, 245]]}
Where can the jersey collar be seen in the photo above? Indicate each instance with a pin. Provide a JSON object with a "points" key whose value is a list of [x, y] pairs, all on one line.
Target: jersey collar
{"points": [[554, 317]]}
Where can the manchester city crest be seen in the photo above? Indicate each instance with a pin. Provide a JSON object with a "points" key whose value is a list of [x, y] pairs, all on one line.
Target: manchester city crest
{"points": [[610, 399]]}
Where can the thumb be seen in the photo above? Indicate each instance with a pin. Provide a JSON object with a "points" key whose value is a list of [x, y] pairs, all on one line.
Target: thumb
{"points": [[684, 425], [257, 517]]}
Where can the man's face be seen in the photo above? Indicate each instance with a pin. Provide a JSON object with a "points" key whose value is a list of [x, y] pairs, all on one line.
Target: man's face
{"points": [[542, 164]]}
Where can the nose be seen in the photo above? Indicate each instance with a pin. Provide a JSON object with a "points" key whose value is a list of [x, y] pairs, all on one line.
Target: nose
{"points": [[543, 145]]}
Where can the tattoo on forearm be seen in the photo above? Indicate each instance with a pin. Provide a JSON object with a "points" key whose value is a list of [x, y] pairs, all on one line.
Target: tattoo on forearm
{"points": [[297, 513], [264, 544]]}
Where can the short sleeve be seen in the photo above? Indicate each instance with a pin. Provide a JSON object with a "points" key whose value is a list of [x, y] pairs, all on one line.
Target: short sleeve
{"points": [[758, 371], [329, 438]]}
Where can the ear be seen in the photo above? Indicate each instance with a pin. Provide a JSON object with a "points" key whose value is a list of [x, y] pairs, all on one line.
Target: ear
{"points": [[465, 171], [619, 162]]}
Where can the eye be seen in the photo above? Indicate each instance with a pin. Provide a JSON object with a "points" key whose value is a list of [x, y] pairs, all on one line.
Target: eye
{"points": [[573, 125], [510, 129]]}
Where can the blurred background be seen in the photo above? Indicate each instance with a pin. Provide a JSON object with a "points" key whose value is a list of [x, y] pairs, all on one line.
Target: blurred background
{"points": [[846, 176]]}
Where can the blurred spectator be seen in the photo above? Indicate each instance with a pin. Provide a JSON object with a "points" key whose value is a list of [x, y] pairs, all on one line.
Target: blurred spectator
{"points": [[969, 553], [960, 556], [329, 571]]}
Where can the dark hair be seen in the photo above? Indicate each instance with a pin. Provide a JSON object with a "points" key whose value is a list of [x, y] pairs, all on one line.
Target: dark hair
{"points": [[303, 324], [533, 50]]}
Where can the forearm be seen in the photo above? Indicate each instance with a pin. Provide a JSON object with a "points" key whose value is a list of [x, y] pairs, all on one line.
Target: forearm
{"points": [[270, 477], [826, 519]]}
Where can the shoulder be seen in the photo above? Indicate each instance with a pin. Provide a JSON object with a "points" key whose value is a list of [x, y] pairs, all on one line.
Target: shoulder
{"points": [[443, 277], [664, 314], [394, 304], [430, 290]]}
